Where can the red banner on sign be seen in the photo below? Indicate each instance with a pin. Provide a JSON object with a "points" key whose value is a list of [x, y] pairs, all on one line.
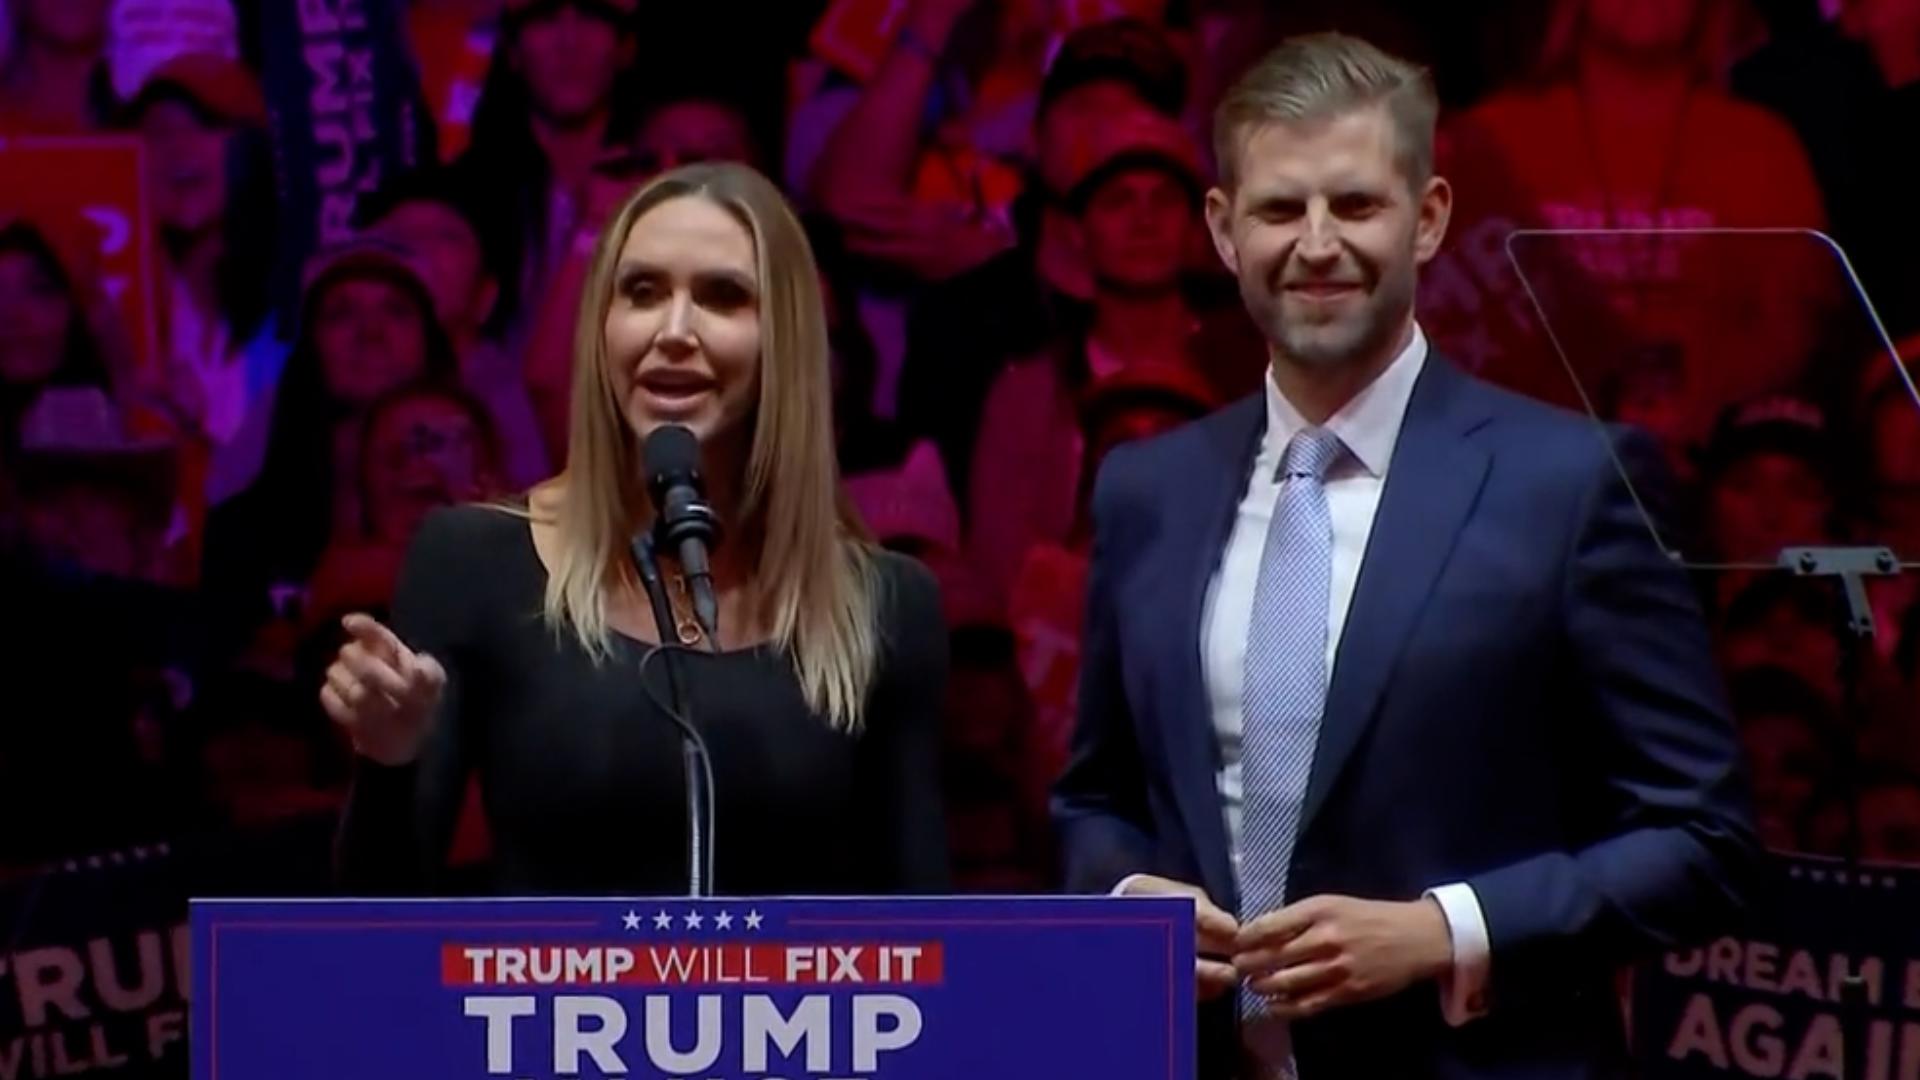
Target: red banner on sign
{"points": [[96, 185]]}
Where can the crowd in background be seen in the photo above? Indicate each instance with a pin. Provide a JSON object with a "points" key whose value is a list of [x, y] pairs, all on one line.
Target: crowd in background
{"points": [[1006, 201]]}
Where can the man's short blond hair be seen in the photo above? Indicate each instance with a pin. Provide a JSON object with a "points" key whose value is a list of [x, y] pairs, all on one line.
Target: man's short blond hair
{"points": [[1318, 76]]}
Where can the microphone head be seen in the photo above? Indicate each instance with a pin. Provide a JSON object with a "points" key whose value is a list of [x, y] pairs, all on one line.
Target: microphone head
{"points": [[672, 457]]}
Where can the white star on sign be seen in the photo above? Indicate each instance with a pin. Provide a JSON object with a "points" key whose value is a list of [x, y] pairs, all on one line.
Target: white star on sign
{"points": [[723, 921], [663, 921], [753, 920], [693, 920], [630, 920]]}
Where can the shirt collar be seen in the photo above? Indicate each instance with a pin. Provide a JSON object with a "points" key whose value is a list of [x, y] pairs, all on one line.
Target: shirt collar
{"points": [[1368, 426]]}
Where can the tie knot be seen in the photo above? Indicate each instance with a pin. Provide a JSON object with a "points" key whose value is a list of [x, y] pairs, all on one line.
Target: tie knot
{"points": [[1311, 453]]}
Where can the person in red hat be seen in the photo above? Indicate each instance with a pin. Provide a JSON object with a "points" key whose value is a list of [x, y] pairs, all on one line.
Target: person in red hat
{"points": [[1134, 190], [191, 113]]}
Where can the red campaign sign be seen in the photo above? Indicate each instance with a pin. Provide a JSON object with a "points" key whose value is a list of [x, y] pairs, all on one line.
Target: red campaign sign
{"points": [[854, 35], [96, 183], [689, 963]]}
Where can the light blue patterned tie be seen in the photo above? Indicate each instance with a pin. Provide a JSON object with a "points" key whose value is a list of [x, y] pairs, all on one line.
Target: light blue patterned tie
{"points": [[1284, 693]]}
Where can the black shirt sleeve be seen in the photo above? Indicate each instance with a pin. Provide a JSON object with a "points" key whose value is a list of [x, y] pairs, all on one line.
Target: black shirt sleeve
{"points": [[399, 820]]}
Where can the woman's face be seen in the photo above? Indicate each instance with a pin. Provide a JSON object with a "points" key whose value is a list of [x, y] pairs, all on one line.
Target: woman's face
{"points": [[186, 167], [372, 337], [35, 312], [570, 60], [422, 453], [683, 325]]}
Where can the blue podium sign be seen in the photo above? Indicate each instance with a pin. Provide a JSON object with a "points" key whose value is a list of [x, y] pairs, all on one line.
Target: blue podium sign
{"points": [[694, 989]]}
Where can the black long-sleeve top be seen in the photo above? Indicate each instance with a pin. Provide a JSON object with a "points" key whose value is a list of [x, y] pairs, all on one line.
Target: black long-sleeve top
{"points": [[582, 776]]}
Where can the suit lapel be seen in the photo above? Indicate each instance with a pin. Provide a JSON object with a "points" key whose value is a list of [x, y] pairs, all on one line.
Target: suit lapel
{"points": [[1207, 499], [1432, 484]]}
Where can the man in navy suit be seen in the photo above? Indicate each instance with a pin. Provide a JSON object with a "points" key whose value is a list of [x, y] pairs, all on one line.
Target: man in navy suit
{"points": [[1383, 666]]}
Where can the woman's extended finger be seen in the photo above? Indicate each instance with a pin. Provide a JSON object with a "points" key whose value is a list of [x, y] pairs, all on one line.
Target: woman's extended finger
{"points": [[372, 634], [376, 672]]}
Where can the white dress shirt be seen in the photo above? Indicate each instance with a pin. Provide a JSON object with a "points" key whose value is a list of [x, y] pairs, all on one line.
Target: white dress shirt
{"points": [[1369, 425]]}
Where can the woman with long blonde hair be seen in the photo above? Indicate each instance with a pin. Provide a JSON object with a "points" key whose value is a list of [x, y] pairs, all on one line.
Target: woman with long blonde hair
{"points": [[520, 631]]}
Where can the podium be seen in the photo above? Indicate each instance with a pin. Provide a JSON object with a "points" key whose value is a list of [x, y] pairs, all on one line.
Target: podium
{"points": [[707, 989]]}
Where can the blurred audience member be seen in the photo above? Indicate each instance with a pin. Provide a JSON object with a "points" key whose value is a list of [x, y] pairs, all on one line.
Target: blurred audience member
{"points": [[866, 437], [52, 317], [53, 81], [553, 103], [367, 327], [1785, 726], [423, 446], [962, 333], [1769, 477], [1785, 622], [95, 498], [1048, 595], [1797, 625], [1888, 808], [1645, 392], [1891, 423], [909, 509], [1892, 427], [144, 35], [452, 43], [1626, 129], [435, 218], [933, 202], [91, 646], [682, 127], [198, 116], [996, 812], [1136, 200]]}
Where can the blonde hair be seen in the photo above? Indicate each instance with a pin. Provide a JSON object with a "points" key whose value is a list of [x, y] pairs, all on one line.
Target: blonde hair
{"points": [[1316, 76], [814, 583]]}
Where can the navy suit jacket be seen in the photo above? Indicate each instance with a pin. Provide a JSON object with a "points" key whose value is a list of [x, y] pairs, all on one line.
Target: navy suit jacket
{"points": [[1523, 699]]}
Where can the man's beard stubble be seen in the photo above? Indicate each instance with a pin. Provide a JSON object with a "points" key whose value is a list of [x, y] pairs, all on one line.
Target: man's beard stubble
{"points": [[1355, 338]]}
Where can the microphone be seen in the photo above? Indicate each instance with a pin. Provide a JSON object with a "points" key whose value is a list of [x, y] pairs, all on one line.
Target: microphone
{"points": [[684, 522]]}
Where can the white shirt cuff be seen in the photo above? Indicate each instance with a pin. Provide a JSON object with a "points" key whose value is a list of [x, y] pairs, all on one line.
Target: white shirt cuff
{"points": [[1125, 883], [1463, 990]]}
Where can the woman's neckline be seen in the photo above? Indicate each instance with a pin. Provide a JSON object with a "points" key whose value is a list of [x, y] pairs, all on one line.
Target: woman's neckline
{"points": [[532, 549]]}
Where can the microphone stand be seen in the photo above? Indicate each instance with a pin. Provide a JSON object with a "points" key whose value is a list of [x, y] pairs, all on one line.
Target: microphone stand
{"points": [[695, 758], [1851, 566]]}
